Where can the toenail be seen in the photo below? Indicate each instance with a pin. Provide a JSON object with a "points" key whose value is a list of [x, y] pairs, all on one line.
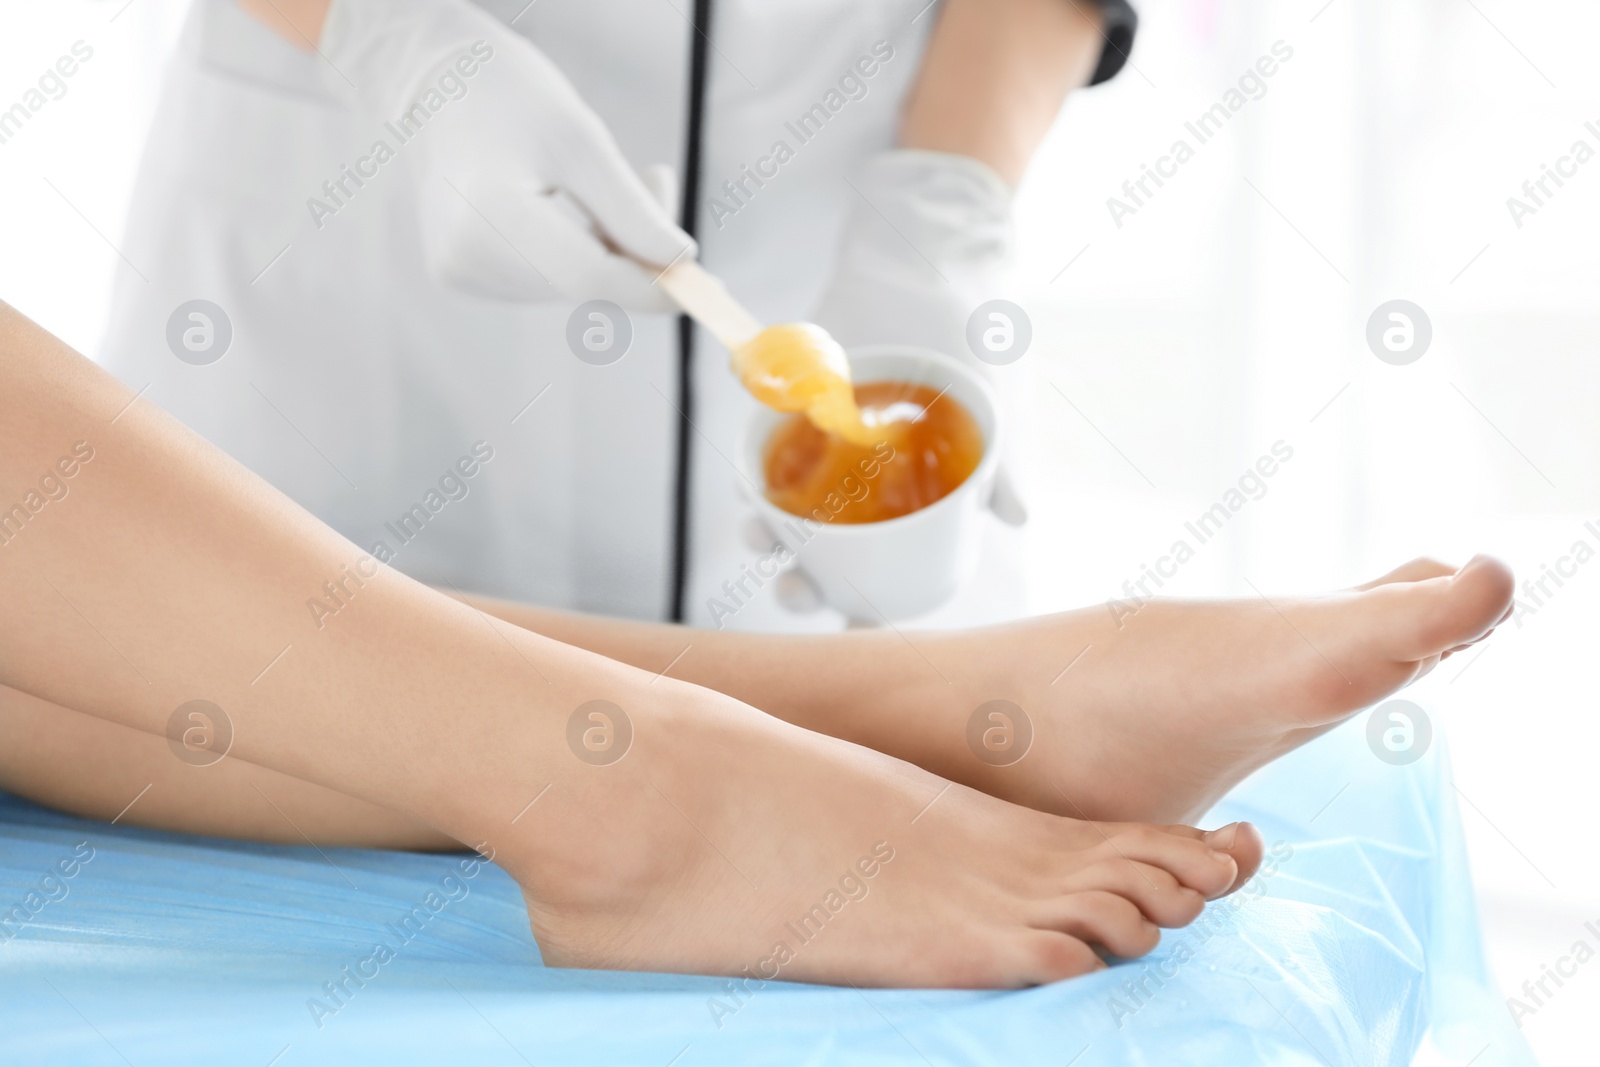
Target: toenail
{"points": [[1223, 838]]}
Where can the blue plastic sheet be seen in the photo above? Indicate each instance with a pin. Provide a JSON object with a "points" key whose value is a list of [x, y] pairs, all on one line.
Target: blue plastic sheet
{"points": [[166, 949]]}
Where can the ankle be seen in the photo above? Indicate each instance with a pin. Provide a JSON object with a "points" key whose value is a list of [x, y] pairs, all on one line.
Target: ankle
{"points": [[628, 796]]}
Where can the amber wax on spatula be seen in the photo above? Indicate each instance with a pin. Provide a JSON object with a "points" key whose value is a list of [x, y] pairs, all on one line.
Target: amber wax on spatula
{"points": [[791, 367]]}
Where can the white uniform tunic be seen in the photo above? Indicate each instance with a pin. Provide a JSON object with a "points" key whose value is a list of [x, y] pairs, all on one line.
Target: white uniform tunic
{"points": [[355, 382]]}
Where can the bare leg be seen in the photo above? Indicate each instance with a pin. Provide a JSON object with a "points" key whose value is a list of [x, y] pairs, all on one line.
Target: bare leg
{"points": [[100, 770], [166, 573], [1147, 713]]}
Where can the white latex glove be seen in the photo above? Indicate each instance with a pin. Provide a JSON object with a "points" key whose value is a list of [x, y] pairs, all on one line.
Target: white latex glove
{"points": [[526, 195], [928, 239]]}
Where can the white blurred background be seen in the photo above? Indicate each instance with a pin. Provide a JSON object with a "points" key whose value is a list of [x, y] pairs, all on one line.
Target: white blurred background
{"points": [[1230, 313], [1227, 314]]}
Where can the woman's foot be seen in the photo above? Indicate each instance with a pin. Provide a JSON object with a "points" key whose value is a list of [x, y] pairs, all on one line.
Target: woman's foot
{"points": [[727, 842], [1153, 713]]}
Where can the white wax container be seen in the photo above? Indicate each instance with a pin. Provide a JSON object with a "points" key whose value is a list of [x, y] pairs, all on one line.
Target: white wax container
{"points": [[900, 568]]}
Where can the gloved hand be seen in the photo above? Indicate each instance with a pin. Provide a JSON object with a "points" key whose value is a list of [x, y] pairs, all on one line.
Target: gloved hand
{"points": [[926, 242], [526, 195]]}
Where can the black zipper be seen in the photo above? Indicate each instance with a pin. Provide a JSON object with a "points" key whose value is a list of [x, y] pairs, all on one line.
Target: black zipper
{"points": [[688, 216]]}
